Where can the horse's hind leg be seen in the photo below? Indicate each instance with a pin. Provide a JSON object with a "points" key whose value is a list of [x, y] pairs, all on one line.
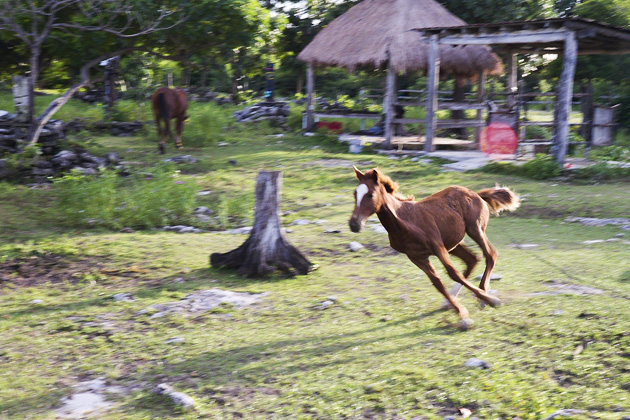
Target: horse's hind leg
{"points": [[478, 235], [442, 254], [465, 254], [425, 265], [179, 127]]}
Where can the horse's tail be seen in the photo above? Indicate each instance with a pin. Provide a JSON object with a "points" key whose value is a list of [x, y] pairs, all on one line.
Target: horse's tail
{"points": [[499, 199], [163, 107]]}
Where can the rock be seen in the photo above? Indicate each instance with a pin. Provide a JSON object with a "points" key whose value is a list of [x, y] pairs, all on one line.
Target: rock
{"points": [[85, 171], [175, 340], [223, 144], [112, 159], [179, 398], [355, 246], [127, 230], [493, 277], [42, 172], [239, 231], [204, 210], [182, 229], [524, 246], [205, 192], [123, 297], [592, 221], [300, 222], [477, 363], [569, 412], [620, 235], [324, 305], [378, 228], [36, 302], [594, 241], [332, 231], [182, 159], [205, 300]]}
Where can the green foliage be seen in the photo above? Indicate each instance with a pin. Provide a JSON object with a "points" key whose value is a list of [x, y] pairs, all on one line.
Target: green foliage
{"points": [[537, 132], [540, 168], [614, 153], [206, 125], [601, 172], [142, 200]]}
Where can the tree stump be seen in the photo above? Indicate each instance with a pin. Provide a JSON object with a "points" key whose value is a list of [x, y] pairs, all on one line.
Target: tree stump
{"points": [[266, 249]]}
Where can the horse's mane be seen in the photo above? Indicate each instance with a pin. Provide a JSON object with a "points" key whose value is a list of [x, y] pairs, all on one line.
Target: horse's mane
{"points": [[390, 186]]}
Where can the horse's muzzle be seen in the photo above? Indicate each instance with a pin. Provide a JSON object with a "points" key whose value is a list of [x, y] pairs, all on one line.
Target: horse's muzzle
{"points": [[355, 225]]}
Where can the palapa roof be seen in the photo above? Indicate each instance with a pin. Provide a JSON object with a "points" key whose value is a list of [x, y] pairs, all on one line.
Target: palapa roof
{"points": [[373, 31]]}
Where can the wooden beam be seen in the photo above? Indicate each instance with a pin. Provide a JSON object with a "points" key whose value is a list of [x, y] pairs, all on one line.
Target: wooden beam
{"points": [[481, 97], [433, 78], [522, 37], [388, 103], [310, 99], [565, 94], [512, 78]]}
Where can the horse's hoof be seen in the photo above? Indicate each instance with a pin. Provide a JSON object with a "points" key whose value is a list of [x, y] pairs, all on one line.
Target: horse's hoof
{"points": [[466, 324], [162, 149], [179, 146], [494, 301]]}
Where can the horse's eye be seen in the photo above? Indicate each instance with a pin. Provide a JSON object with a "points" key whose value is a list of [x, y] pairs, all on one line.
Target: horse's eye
{"points": [[369, 195]]}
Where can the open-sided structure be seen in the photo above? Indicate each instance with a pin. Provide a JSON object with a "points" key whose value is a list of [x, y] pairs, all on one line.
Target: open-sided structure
{"points": [[567, 37], [379, 34]]}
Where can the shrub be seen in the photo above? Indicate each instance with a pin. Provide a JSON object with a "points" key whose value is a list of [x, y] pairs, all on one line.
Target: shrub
{"points": [[141, 201], [541, 167], [614, 153], [206, 125]]}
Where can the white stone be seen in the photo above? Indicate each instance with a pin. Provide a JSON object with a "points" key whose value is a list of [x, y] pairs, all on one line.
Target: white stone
{"points": [[36, 302], [355, 246], [477, 363]]}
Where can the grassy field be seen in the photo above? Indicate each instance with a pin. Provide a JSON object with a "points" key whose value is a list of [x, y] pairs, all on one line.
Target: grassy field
{"points": [[382, 350]]}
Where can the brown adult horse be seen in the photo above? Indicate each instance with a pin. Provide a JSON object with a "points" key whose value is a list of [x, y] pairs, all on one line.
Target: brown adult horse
{"points": [[168, 104], [435, 226]]}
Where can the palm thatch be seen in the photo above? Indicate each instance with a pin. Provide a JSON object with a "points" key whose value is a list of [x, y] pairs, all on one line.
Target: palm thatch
{"points": [[375, 31]]}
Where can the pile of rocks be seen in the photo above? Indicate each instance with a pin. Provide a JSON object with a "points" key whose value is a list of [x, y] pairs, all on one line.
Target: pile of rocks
{"points": [[68, 160], [12, 131], [275, 111], [119, 128]]}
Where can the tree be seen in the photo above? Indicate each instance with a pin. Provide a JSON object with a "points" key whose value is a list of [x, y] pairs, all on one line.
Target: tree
{"points": [[33, 22]]}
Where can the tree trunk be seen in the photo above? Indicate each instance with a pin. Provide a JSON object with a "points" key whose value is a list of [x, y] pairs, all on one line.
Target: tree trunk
{"points": [[267, 249], [299, 84]]}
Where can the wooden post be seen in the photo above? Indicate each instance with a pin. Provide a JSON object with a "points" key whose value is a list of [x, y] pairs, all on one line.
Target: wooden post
{"points": [[481, 96], [512, 79], [563, 100], [267, 249], [388, 104], [310, 100], [433, 78]]}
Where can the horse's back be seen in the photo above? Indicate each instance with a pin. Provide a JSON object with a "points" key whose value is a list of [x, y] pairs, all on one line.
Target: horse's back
{"points": [[175, 99]]}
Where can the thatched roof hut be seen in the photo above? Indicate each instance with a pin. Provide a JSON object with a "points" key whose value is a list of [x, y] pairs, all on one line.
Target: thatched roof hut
{"points": [[375, 31]]}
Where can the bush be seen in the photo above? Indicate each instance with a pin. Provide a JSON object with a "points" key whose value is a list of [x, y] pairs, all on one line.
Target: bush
{"points": [[539, 168], [141, 201], [537, 132], [206, 125], [614, 153]]}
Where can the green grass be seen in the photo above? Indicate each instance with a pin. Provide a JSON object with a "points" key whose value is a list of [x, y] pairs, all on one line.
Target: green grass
{"points": [[382, 351]]}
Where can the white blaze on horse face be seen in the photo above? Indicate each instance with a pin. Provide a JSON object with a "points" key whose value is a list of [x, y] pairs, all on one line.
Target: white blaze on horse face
{"points": [[361, 191]]}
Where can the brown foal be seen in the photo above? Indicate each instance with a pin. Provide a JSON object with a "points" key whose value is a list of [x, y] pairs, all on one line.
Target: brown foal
{"points": [[169, 104], [435, 226]]}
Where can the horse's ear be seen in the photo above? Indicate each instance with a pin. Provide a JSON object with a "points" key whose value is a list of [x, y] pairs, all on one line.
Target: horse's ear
{"points": [[376, 175], [360, 175]]}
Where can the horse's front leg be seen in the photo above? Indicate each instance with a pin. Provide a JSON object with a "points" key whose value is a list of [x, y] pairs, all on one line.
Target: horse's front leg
{"points": [[425, 265]]}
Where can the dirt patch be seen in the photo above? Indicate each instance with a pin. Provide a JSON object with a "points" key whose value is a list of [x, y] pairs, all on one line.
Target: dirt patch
{"points": [[49, 268], [55, 269], [240, 394], [559, 288]]}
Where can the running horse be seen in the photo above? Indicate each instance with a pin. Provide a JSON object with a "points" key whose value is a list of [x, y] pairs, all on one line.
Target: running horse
{"points": [[168, 104], [435, 226]]}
